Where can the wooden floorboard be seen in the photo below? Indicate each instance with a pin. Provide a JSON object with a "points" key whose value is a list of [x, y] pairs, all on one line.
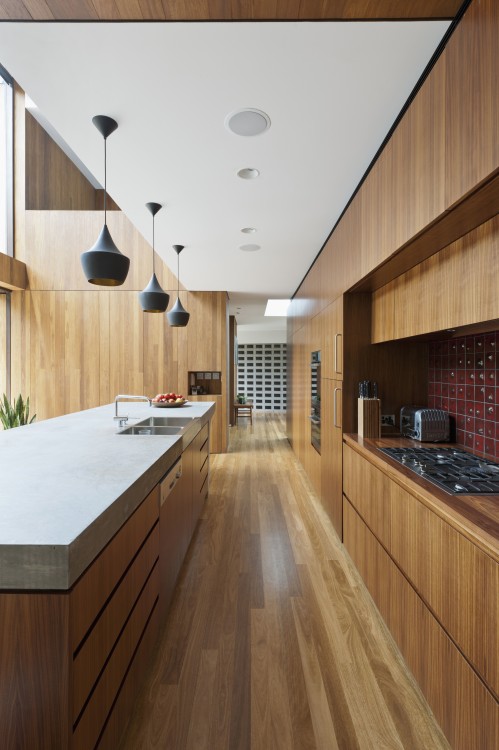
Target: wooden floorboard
{"points": [[272, 641]]}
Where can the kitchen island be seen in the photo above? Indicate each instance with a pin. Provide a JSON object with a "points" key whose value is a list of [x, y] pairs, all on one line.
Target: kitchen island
{"points": [[94, 528]]}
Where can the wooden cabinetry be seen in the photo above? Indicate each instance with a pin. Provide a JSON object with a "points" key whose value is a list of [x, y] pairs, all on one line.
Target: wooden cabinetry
{"points": [[182, 494], [332, 444], [74, 670], [218, 424], [331, 324], [455, 287], [71, 661], [174, 528], [438, 592], [200, 470]]}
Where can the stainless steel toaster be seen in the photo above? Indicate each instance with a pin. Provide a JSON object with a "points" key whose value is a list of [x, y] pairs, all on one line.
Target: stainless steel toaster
{"points": [[427, 425]]}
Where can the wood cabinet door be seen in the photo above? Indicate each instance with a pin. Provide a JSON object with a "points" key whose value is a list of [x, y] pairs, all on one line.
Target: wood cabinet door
{"points": [[332, 340], [174, 524], [331, 452]]}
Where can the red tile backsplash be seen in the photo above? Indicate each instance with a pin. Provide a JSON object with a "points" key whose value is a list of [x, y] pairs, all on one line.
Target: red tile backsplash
{"points": [[463, 380]]}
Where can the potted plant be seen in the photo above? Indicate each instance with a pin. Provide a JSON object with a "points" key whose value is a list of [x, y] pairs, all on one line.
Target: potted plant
{"points": [[241, 398], [16, 413]]}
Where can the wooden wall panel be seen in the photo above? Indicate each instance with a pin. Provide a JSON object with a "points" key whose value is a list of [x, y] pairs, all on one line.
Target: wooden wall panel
{"points": [[160, 355], [126, 350], [56, 239], [472, 100], [342, 262], [410, 172], [428, 167], [204, 341], [456, 287], [45, 164], [82, 371]]}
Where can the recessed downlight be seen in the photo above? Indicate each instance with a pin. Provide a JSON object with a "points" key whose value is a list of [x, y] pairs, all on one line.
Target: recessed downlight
{"points": [[247, 122], [249, 248], [248, 230], [248, 173]]}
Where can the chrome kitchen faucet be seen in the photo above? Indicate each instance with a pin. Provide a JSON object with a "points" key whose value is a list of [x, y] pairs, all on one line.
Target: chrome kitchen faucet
{"points": [[122, 397]]}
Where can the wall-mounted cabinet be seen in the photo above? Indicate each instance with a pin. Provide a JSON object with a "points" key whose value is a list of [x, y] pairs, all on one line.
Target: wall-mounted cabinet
{"points": [[456, 287]]}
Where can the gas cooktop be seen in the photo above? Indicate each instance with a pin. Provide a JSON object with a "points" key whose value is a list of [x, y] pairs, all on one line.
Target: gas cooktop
{"points": [[454, 471]]}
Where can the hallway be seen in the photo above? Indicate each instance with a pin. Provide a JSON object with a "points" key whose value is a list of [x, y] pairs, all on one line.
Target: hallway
{"points": [[272, 641]]}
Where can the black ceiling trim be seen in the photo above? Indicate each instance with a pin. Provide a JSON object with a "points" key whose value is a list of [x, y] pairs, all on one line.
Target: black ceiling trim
{"points": [[426, 19], [412, 95]]}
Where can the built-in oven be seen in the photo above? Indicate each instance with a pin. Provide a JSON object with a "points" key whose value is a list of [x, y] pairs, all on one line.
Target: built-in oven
{"points": [[315, 390]]}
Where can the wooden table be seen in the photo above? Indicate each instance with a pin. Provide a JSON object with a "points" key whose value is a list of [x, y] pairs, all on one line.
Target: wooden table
{"points": [[243, 410]]}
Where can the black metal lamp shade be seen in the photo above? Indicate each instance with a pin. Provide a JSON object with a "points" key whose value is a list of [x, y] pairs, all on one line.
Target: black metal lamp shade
{"points": [[153, 299], [104, 264], [178, 317]]}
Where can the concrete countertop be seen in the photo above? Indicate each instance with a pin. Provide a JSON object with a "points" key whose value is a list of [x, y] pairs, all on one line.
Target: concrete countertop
{"points": [[68, 484]]}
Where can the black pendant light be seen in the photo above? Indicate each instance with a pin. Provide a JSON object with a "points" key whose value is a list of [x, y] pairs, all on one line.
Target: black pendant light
{"points": [[104, 264], [178, 317], [153, 299]]}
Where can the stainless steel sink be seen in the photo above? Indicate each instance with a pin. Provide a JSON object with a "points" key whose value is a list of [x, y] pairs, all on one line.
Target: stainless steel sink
{"points": [[158, 426], [165, 422], [138, 429]]}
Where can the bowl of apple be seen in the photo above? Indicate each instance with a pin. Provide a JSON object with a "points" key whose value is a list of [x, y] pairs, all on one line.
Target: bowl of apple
{"points": [[169, 400]]}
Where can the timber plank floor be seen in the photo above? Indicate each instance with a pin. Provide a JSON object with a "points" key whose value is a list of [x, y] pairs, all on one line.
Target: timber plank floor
{"points": [[272, 641]]}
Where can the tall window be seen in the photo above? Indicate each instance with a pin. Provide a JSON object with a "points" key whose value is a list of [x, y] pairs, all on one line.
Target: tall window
{"points": [[6, 219]]}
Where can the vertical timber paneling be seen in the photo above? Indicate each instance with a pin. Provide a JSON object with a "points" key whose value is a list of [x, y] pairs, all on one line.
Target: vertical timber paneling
{"points": [[472, 100], [454, 288], [45, 162]]}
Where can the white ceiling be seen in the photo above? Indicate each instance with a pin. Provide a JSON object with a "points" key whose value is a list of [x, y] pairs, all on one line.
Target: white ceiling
{"points": [[332, 91]]}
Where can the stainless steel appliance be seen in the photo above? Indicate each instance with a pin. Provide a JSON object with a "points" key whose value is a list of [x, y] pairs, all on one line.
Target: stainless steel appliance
{"points": [[453, 470], [426, 425], [315, 389]]}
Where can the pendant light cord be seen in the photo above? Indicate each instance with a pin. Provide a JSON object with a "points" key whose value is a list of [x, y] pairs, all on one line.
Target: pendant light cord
{"points": [[153, 243], [178, 274], [105, 179]]}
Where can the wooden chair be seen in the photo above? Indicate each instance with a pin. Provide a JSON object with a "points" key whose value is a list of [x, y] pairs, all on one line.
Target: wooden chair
{"points": [[243, 410]]}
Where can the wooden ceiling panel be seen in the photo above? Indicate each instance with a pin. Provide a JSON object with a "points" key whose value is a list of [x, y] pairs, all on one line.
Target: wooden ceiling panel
{"points": [[219, 10], [69, 10], [107, 10], [38, 9]]}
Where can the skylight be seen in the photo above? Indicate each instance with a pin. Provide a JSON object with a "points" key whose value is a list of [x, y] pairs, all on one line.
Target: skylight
{"points": [[277, 307]]}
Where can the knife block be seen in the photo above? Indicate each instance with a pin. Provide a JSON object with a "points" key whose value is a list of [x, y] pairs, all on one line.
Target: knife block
{"points": [[369, 417]]}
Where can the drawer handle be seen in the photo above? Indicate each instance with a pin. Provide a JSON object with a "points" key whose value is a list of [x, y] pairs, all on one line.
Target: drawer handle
{"points": [[336, 335], [335, 420]]}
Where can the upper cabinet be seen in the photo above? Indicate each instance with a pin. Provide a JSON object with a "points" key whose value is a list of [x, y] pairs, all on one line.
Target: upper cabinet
{"points": [[472, 96], [456, 287]]}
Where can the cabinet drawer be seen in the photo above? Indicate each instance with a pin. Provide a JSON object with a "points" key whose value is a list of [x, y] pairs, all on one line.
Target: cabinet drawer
{"points": [[87, 731], [458, 581], [98, 645], [464, 708], [117, 723], [203, 479], [92, 590]]}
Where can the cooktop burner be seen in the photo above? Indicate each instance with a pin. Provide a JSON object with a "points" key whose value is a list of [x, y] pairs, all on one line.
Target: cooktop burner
{"points": [[455, 471]]}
